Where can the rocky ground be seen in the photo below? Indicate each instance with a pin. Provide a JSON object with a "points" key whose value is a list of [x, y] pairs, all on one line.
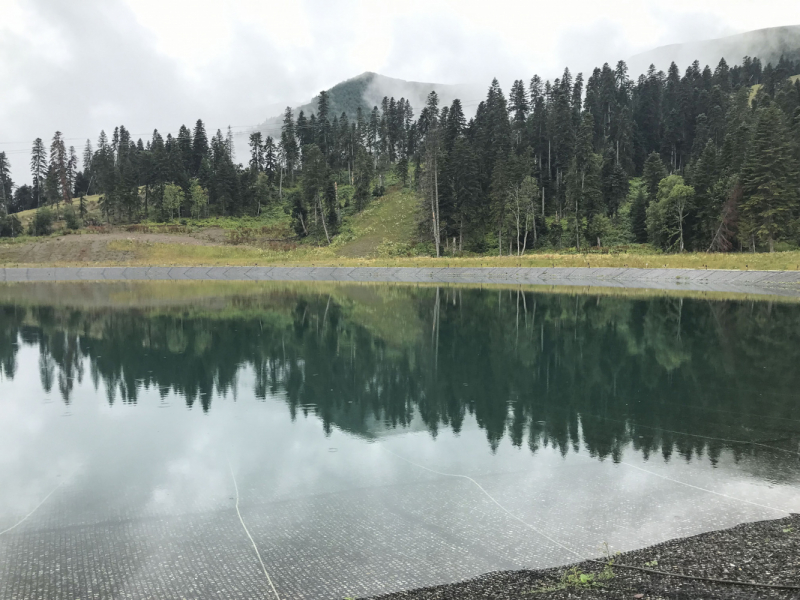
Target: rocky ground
{"points": [[767, 552]]}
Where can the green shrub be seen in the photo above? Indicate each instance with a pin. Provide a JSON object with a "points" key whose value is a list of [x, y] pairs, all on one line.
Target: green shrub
{"points": [[10, 226], [71, 219], [42, 222]]}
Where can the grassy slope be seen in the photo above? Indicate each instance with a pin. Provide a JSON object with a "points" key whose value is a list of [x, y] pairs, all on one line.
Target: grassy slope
{"points": [[754, 89], [387, 220], [93, 210]]}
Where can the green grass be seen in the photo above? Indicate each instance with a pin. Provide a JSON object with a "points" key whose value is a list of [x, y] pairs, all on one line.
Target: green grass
{"points": [[306, 255], [383, 234], [384, 228], [575, 579], [92, 208]]}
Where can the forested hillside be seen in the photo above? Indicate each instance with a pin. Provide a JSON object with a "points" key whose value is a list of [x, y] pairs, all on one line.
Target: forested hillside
{"points": [[696, 160]]}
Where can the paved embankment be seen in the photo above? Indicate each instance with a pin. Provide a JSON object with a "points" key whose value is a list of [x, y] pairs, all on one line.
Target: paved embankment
{"points": [[761, 282]]}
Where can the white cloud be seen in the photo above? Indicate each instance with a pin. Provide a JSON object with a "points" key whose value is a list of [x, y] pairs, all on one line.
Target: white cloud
{"points": [[82, 66]]}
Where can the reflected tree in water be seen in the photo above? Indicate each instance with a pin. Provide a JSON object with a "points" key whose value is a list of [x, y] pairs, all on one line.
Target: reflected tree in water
{"points": [[545, 370]]}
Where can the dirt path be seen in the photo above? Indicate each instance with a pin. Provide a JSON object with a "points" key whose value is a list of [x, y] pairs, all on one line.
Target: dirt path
{"points": [[94, 247]]}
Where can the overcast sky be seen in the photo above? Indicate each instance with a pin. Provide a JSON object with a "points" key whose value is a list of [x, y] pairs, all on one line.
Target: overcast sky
{"points": [[84, 65]]}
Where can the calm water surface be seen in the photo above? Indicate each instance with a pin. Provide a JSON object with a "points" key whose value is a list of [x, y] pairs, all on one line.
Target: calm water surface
{"points": [[133, 416]]}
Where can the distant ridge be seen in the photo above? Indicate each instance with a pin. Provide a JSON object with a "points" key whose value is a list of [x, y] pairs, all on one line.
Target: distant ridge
{"points": [[368, 89], [767, 44]]}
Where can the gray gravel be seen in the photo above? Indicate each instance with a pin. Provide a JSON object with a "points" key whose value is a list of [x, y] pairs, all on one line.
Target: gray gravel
{"points": [[762, 552], [784, 283]]}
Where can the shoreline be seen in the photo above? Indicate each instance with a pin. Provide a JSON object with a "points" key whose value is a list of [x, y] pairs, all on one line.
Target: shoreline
{"points": [[762, 552], [780, 283]]}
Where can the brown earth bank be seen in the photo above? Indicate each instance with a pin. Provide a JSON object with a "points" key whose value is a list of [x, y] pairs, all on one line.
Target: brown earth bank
{"points": [[766, 553], [98, 247]]}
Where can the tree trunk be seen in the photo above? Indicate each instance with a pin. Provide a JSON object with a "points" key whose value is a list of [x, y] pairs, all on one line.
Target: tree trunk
{"points": [[519, 216], [500, 241], [322, 214], [435, 209]]}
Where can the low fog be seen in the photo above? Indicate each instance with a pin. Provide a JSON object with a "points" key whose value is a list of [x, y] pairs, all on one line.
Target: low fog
{"points": [[80, 67]]}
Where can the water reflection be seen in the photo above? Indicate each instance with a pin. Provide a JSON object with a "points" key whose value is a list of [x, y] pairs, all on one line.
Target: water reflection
{"points": [[663, 375]]}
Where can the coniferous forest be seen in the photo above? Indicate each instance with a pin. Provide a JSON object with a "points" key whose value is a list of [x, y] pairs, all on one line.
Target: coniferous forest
{"points": [[700, 160]]}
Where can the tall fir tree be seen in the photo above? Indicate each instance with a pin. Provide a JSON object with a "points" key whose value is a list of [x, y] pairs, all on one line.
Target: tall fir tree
{"points": [[38, 169], [199, 147], [769, 180]]}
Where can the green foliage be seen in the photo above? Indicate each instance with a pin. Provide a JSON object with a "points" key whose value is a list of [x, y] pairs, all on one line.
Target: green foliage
{"points": [[581, 142], [654, 171], [770, 180], [638, 214], [10, 226], [171, 202], [197, 200], [71, 220], [666, 217], [42, 222], [576, 579]]}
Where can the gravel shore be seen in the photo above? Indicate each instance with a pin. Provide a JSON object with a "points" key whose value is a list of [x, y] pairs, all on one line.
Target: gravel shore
{"points": [[766, 552]]}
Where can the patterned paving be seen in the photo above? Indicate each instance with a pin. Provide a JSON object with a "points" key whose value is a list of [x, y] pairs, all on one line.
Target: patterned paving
{"points": [[763, 282]]}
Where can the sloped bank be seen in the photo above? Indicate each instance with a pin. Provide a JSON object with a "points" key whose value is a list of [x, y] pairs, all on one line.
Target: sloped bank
{"points": [[765, 553], [783, 283]]}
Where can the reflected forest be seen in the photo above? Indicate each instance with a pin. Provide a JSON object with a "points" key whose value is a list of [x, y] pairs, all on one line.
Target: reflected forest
{"points": [[544, 369]]}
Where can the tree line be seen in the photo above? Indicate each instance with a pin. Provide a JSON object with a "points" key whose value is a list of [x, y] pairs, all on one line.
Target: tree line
{"points": [[704, 160]]}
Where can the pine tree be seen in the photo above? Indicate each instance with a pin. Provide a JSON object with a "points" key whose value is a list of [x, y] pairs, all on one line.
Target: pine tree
{"points": [[639, 215], [270, 153], [289, 141], [88, 175], [433, 151], [256, 152], [59, 166], [38, 169], [708, 203], [6, 185], [229, 145], [323, 123], [199, 147], [186, 150], [72, 170], [581, 198], [768, 180], [519, 107], [654, 171]]}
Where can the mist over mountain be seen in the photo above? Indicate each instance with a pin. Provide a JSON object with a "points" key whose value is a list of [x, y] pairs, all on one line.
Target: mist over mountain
{"points": [[368, 89], [767, 44]]}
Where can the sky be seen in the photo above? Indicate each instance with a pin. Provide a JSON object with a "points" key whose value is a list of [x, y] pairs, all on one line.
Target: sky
{"points": [[86, 65]]}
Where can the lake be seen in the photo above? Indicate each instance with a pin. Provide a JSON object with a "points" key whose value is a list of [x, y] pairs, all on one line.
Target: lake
{"points": [[301, 440]]}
